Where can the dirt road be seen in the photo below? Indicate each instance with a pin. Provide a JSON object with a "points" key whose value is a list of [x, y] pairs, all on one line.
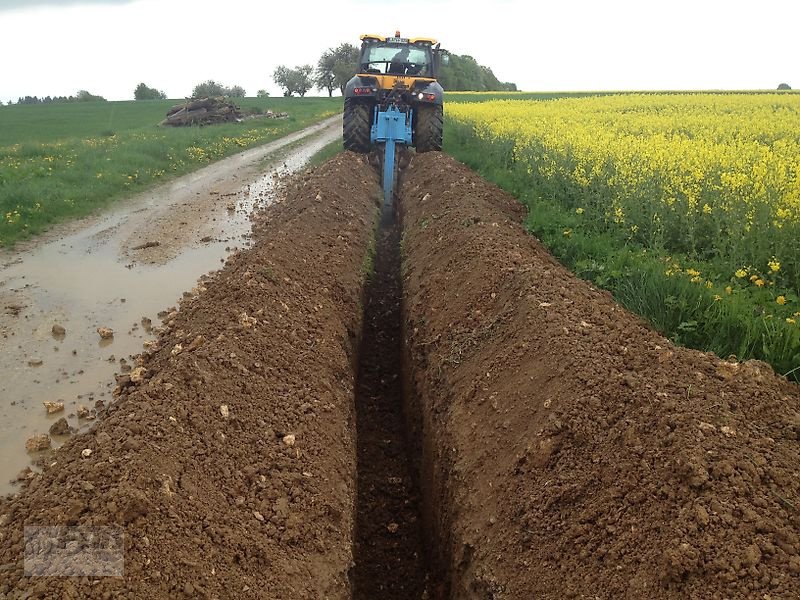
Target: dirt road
{"points": [[112, 271]]}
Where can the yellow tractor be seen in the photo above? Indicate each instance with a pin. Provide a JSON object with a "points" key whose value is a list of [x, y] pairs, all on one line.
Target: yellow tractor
{"points": [[394, 100], [399, 72]]}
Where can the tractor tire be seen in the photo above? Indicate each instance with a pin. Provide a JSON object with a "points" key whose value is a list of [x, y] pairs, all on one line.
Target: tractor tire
{"points": [[356, 126], [428, 130]]}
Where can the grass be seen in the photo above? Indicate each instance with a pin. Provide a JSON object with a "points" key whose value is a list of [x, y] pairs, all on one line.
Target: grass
{"points": [[66, 160], [689, 314], [326, 153]]}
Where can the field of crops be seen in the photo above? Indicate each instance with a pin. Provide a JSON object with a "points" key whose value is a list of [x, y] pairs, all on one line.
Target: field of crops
{"points": [[686, 205], [65, 160]]}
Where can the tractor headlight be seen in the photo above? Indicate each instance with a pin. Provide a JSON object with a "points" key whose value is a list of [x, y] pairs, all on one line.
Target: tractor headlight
{"points": [[420, 95]]}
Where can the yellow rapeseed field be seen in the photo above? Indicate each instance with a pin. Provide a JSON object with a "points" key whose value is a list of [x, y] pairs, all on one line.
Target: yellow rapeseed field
{"points": [[713, 176]]}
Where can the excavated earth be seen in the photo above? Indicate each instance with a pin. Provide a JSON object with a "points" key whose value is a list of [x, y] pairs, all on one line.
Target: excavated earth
{"points": [[435, 411], [569, 451], [230, 466]]}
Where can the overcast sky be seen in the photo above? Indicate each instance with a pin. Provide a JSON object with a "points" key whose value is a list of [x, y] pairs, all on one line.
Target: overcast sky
{"points": [[56, 47]]}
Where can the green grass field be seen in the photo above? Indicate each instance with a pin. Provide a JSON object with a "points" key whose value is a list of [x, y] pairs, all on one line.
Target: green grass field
{"points": [[59, 161]]}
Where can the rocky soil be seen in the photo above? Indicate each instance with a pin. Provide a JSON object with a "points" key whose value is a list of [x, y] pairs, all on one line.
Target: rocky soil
{"points": [[454, 417], [570, 451], [228, 458]]}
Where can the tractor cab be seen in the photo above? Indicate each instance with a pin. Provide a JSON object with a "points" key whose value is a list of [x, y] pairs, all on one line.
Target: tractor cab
{"points": [[396, 58]]}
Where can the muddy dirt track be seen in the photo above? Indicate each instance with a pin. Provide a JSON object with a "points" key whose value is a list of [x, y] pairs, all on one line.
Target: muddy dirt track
{"points": [[496, 429], [86, 274]]}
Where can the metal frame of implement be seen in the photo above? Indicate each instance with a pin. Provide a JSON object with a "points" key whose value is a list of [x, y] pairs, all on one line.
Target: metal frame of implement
{"points": [[391, 127]]}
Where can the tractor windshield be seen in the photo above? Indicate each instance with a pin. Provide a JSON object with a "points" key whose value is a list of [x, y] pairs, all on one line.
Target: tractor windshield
{"points": [[397, 59]]}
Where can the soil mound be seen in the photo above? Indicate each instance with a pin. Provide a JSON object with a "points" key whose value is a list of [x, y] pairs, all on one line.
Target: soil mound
{"points": [[570, 451], [228, 460]]}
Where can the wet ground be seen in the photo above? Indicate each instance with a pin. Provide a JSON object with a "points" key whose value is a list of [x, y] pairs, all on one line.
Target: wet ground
{"points": [[118, 271]]}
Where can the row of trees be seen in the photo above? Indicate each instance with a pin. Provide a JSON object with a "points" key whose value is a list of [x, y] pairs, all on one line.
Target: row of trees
{"points": [[465, 74], [81, 96], [333, 70]]}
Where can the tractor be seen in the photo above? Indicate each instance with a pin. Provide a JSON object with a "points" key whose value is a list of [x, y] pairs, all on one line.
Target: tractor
{"points": [[394, 99]]}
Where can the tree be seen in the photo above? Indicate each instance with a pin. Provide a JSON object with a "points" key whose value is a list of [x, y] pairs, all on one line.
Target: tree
{"points": [[207, 89], [324, 77], [211, 88], [142, 92], [784, 86], [262, 94], [345, 65], [294, 81], [464, 73], [84, 96]]}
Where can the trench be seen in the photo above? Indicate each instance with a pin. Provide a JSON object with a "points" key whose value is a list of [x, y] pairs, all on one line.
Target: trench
{"points": [[391, 546]]}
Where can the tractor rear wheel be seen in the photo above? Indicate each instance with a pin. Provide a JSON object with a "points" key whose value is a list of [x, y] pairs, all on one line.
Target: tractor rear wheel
{"points": [[356, 126], [430, 122]]}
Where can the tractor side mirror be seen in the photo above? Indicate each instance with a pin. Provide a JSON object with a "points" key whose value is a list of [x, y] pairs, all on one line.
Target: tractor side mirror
{"points": [[445, 57]]}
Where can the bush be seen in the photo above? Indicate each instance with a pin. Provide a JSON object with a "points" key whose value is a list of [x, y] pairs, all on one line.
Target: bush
{"points": [[211, 88], [142, 92]]}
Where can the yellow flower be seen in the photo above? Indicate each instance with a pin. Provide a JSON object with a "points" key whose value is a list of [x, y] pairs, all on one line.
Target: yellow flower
{"points": [[692, 272], [696, 279], [781, 300], [706, 209], [774, 265], [759, 282], [753, 277], [567, 232], [741, 273], [729, 290], [579, 211], [790, 321], [717, 298], [709, 284]]}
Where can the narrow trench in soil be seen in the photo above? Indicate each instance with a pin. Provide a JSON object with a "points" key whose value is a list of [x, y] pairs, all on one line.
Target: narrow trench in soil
{"points": [[390, 557]]}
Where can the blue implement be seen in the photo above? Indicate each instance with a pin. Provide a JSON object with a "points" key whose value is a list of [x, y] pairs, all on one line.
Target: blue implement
{"points": [[391, 127]]}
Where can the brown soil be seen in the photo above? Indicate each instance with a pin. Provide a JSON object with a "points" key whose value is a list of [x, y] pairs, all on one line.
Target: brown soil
{"points": [[570, 451], [231, 465], [390, 561], [564, 449]]}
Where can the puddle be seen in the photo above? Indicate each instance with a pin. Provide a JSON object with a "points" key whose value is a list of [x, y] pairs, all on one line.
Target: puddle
{"points": [[84, 281]]}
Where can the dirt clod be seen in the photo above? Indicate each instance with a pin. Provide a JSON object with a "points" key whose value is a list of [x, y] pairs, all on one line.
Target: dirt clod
{"points": [[60, 427], [105, 333], [37, 442], [53, 407]]}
